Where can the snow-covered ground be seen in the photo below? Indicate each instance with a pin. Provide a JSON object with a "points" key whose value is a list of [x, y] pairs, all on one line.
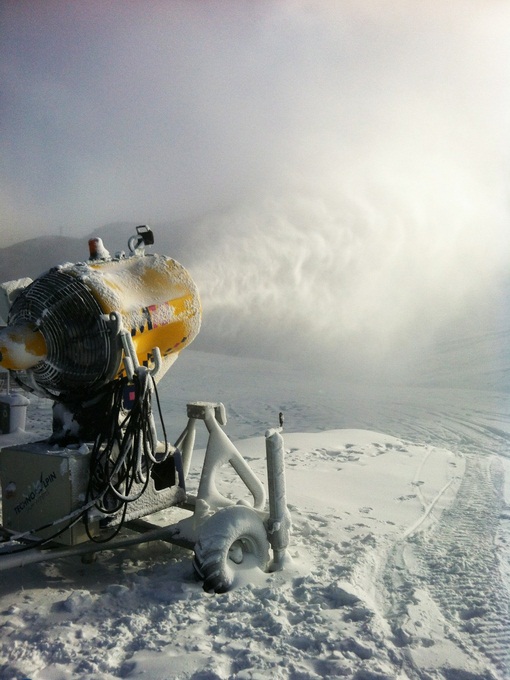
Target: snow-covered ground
{"points": [[400, 554]]}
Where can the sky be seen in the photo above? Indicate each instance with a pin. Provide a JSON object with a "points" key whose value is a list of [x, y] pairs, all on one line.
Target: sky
{"points": [[337, 170]]}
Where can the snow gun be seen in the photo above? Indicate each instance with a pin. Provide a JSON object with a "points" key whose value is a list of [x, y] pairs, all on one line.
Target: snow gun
{"points": [[96, 337], [80, 327]]}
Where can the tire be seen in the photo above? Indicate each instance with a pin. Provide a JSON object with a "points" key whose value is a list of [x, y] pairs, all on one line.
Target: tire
{"points": [[231, 540]]}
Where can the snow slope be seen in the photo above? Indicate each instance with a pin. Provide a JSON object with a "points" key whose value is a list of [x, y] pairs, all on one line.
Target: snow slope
{"points": [[400, 564]]}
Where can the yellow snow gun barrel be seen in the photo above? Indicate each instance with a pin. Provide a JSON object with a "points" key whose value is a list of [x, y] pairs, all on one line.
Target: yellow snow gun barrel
{"points": [[157, 301], [62, 335]]}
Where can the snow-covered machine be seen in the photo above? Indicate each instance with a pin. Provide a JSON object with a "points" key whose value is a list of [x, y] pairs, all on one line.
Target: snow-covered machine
{"points": [[96, 337]]}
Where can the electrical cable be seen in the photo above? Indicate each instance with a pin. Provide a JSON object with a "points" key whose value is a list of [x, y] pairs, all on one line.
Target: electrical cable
{"points": [[15, 537], [123, 457], [121, 462], [161, 420]]}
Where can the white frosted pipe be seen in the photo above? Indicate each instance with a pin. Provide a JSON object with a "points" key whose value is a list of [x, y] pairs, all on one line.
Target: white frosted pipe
{"points": [[279, 523]]}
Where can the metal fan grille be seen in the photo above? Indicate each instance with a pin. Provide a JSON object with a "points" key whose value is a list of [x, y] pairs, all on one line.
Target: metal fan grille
{"points": [[78, 341]]}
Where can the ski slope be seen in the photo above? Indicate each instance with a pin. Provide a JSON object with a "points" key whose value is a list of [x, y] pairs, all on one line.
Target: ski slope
{"points": [[400, 555]]}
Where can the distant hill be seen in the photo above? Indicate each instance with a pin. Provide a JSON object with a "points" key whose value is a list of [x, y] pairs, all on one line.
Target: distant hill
{"points": [[35, 256]]}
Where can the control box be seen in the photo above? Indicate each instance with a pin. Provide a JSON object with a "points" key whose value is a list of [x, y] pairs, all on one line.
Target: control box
{"points": [[41, 485]]}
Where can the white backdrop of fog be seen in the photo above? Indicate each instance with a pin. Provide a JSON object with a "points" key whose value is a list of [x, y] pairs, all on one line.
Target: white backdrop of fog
{"points": [[339, 170]]}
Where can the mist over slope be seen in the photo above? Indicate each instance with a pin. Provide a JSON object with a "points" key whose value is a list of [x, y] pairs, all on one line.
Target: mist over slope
{"points": [[288, 298]]}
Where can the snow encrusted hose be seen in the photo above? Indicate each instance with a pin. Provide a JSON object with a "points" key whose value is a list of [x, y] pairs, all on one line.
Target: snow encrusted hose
{"points": [[225, 540]]}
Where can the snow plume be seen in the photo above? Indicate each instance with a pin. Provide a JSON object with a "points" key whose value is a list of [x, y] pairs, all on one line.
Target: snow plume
{"points": [[386, 223], [361, 275]]}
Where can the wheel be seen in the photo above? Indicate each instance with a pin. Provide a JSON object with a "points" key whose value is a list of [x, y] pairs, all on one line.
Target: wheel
{"points": [[231, 540]]}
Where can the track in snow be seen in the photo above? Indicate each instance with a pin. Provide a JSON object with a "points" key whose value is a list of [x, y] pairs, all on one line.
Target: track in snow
{"points": [[455, 565]]}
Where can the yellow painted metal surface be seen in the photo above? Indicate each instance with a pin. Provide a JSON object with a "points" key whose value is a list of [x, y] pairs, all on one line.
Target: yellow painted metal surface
{"points": [[154, 295], [21, 347], [156, 298]]}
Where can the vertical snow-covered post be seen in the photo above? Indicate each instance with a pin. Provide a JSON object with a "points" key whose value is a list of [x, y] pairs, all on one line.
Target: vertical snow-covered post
{"points": [[13, 412], [279, 522]]}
